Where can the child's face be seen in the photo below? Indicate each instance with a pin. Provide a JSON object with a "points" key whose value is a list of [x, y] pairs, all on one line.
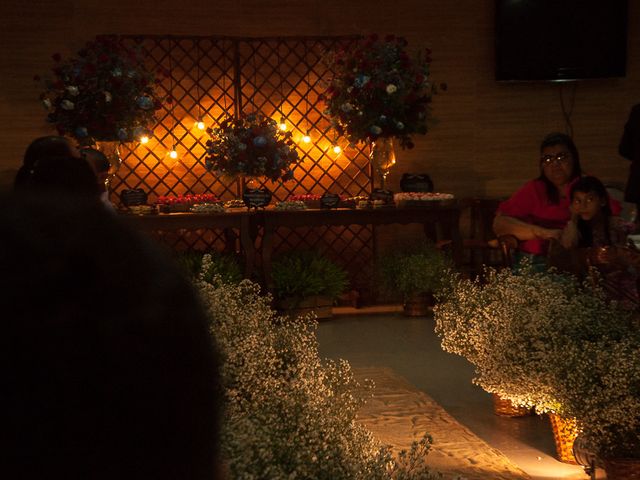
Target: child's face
{"points": [[587, 205]]}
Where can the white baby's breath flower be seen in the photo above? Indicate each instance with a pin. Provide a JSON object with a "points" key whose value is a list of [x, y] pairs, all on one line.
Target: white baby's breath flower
{"points": [[391, 88], [73, 90], [67, 105]]}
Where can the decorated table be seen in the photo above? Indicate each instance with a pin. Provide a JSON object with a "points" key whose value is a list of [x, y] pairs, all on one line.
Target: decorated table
{"points": [[226, 221], [445, 215]]}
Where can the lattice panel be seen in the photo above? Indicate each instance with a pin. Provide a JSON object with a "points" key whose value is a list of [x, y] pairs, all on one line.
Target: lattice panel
{"points": [[210, 77]]}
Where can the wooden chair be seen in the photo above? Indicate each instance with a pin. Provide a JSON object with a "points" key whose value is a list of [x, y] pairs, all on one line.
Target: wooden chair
{"points": [[482, 246]]}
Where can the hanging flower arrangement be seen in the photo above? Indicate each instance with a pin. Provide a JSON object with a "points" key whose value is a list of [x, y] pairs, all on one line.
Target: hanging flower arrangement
{"points": [[252, 146], [378, 90], [102, 94]]}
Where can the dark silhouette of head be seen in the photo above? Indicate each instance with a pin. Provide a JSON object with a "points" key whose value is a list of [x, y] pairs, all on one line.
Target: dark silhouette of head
{"points": [[107, 365], [57, 175], [42, 147]]}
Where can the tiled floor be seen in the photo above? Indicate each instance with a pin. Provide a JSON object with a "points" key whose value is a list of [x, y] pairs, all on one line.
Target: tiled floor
{"points": [[410, 347]]}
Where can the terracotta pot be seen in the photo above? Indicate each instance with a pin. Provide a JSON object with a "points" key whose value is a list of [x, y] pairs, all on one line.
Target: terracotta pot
{"points": [[505, 408], [321, 306], [622, 468], [565, 432], [418, 304]]}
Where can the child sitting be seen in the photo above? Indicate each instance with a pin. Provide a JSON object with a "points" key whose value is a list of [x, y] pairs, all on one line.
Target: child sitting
{"points": [[594, 237], [592, 224]]}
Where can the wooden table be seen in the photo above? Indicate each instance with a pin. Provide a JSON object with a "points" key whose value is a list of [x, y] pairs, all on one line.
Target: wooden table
{"points": [[445, 214], [226, 221]]}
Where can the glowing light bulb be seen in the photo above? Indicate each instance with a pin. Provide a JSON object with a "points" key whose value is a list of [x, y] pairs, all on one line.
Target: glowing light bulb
{"points": [[337, 149], [200, 125], [282, 125], [306, 138], [173, 154], [144, 139]]}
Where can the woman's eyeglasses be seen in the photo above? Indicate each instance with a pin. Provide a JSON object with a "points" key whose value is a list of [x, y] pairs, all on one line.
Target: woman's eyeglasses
{"points": [[557, 159]]}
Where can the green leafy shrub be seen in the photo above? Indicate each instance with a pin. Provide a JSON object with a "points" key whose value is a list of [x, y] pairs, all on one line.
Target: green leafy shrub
{"points": [[301, 274], [413, 270], [220, 266]]}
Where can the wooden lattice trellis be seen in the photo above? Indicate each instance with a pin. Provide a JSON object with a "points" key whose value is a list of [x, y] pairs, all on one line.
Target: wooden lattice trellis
{"points": [[211, 77]]}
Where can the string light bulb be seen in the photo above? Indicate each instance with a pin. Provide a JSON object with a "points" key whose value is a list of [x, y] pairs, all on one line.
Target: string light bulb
{"points": [[306, 138], [173, 154], [337, 149], [282, 125], [144, 139], [200, 124]]}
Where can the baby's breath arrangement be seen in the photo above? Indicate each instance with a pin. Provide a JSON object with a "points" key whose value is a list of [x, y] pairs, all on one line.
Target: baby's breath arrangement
{"points": [[599, 385], [288, 413], [517, 329]]}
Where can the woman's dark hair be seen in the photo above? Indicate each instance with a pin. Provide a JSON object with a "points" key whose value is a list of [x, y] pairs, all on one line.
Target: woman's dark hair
{"points": [[552, 139], [42, 147], [592, 185], [55, 174]]}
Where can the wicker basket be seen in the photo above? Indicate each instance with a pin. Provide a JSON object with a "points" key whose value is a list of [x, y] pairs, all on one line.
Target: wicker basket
{"points": [[622, 468], [506, 408], [565, 432]]}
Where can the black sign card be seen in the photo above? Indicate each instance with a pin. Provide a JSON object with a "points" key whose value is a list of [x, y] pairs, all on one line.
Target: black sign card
{"points": [[379, 194], [256, 197], [136, 196], [416, 182], [329, 200]]}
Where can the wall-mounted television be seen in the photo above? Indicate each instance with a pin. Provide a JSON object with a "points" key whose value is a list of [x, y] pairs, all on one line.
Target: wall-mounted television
{"points": [[556, 40]]}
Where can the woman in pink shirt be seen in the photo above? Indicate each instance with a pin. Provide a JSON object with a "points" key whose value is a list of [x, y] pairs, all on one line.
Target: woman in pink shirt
{"points": [[540, 209]]}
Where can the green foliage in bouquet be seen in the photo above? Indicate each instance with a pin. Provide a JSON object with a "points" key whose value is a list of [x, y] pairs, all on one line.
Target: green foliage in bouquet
{"points": [[301, 274], [415, 269], [104, 93], [288, 413]]}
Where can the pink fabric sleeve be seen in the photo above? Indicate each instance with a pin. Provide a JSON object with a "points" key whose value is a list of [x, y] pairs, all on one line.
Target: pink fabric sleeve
{"points": [[521, 202]]}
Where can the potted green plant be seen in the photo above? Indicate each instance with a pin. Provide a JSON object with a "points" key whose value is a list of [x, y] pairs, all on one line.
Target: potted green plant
{"points": [[416, 272], [516, 329], [305, 281], [218, 267]]}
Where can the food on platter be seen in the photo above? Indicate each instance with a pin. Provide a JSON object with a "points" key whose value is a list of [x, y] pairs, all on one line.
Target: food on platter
{"points": [[422, 197], [234, 205], [142, 209], [207, 208], [291, 205]]}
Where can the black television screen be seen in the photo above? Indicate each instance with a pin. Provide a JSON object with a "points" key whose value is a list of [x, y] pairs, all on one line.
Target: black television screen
{"points": [[560, 39]]}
